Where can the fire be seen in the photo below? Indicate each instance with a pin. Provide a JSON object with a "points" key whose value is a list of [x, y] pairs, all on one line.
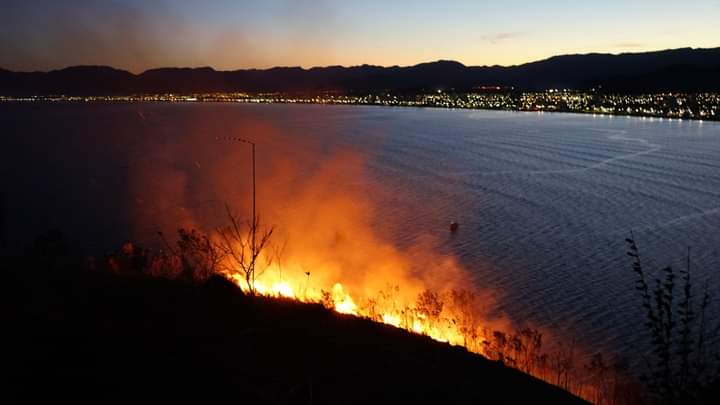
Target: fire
{"points": [[394, 320], [390, 306], [283, 289], [325, 248], [343, 301]]}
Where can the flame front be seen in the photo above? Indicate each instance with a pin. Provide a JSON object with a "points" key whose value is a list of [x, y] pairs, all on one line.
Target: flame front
{"points": [[389, 307]]}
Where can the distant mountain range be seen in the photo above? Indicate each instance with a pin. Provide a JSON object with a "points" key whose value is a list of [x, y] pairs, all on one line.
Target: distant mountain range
{"points": [[685, 69]]}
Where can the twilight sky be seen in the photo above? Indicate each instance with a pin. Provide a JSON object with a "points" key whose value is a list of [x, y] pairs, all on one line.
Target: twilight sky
{"points": [[229, 34]]}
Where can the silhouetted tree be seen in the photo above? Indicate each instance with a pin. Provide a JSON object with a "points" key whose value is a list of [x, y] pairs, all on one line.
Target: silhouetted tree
{"points": [[243, 244]]}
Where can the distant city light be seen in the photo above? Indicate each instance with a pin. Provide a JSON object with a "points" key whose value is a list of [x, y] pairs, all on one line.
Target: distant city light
{"points": [[705, 106]]}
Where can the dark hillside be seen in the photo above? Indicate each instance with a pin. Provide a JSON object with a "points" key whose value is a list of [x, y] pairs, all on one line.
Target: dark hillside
{"points": [[81, 336]]}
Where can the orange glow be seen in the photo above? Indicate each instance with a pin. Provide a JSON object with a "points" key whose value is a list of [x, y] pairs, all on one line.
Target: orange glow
{"points": [[324, 248], [343, 302], [389, 307]]}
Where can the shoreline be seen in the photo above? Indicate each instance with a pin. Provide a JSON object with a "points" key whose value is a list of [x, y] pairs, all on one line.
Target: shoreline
{"points": [[189, 100]]}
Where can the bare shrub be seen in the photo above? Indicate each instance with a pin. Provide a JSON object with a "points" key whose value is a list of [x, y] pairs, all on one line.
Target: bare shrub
{"points": [[199, 256], [242, 244], [679, 365]]}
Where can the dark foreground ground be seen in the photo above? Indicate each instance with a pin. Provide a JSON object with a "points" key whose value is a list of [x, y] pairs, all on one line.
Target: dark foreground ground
{"points": [[78, 336]]}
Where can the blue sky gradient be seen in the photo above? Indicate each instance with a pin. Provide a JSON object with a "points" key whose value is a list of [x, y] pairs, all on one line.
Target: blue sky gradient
{"points": [[137, 35]]}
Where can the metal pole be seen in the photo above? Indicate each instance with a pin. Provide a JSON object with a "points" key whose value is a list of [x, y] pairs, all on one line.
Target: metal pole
{"points": [[253, 221], [255, 224]]}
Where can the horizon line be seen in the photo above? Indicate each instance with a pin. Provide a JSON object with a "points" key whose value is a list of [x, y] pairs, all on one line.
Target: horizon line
{"points": [[360, 65]]}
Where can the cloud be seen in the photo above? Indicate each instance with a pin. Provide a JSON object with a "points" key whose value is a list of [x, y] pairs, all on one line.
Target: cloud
{"points": [[501, 37]]}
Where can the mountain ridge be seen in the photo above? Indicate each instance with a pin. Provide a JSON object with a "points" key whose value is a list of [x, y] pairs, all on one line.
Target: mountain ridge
{"points": [[681, 69]]}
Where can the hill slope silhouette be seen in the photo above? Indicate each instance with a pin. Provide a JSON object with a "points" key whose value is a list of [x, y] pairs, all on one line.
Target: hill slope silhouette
{"points": [[684, 69], [104, 338]]}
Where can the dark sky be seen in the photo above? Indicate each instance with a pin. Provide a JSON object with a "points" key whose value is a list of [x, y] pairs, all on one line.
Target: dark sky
{"points": [[137, 35]]}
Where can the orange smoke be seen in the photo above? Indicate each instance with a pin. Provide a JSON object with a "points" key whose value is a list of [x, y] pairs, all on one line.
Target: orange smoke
{"points": [[317, 196], [325, 249]]}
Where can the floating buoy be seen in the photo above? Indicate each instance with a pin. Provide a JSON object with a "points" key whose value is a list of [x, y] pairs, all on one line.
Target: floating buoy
{"points": [[454, 226]]}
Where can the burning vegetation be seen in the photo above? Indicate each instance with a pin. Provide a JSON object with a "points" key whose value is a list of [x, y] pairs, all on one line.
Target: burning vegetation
{"points": [[244, 253], [318, 242], [455, 315]]}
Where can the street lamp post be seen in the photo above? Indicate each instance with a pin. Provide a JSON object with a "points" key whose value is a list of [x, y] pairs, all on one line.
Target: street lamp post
{"points": [[254, 223]]}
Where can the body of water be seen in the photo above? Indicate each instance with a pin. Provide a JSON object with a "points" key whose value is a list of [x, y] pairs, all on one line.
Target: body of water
{"points": [[544, 201]]}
